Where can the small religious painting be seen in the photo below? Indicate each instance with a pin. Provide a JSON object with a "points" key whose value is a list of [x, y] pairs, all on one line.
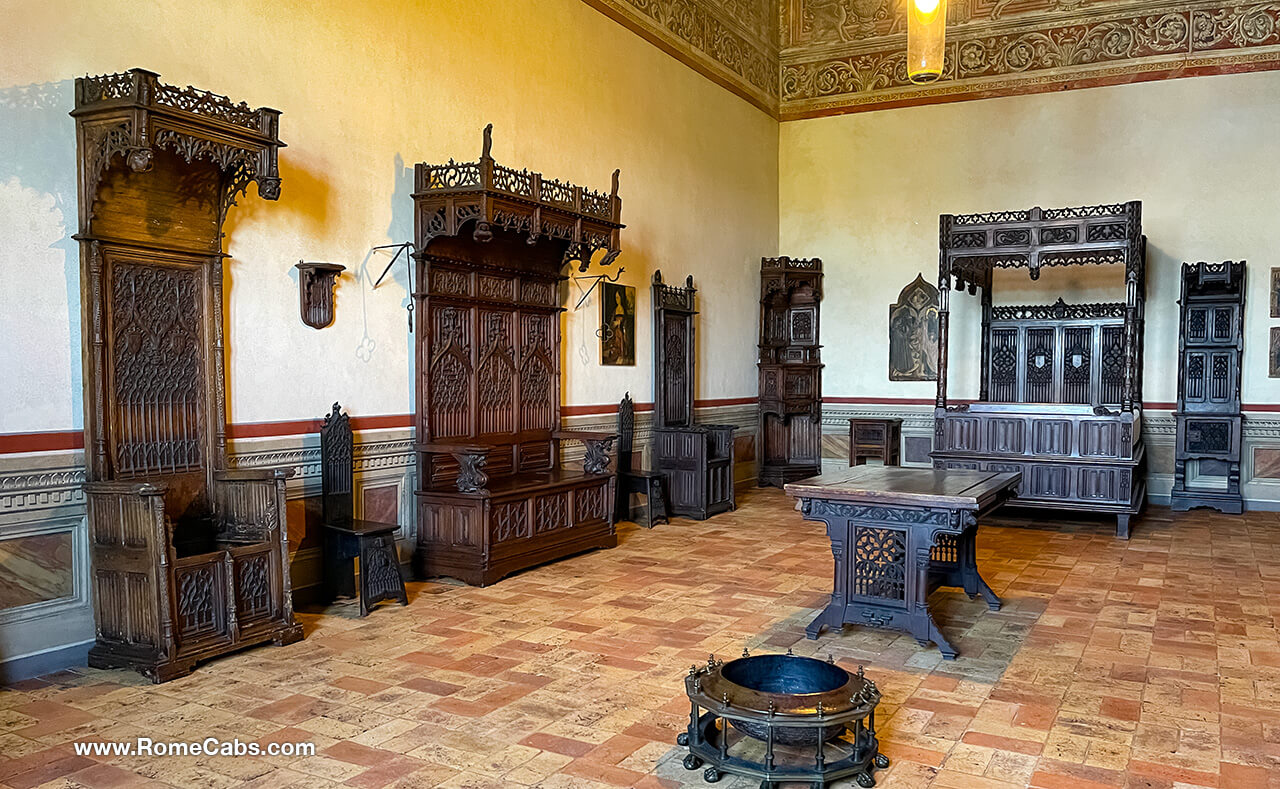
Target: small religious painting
{"points": [[1273, 354], [617, 324], [1275, 292], [913, 333]]}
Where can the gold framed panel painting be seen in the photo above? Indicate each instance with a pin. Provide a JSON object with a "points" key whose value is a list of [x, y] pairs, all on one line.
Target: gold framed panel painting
{"points": [[617, 325]]}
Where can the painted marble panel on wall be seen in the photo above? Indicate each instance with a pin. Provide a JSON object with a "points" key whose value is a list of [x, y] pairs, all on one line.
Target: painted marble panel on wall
{"points": [[835, 446], [913, 333], [1266, 462], [617, 324], [382, 503], [916, 449], [1273, 354], [35, 569]]}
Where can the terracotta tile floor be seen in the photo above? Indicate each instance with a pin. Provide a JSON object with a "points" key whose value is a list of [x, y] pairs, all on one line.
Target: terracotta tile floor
{"points": [[1153, 663]]}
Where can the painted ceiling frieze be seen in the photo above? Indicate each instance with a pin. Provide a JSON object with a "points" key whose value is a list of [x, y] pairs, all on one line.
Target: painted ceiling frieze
{"points": [[734, 42], [807, 58], [842, 56]]}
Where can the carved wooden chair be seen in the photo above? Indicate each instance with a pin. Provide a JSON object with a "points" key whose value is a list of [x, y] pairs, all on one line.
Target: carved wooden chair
{"points": [[347, 537], [649, 483], [697, 459]]}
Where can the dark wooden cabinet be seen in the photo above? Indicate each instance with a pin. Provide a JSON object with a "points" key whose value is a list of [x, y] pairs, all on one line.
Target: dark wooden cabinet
{"points": [[1061, 384], [790, 370], [491, 244], [190, 559], [875, 438], [1209, 421], [696, 459]]}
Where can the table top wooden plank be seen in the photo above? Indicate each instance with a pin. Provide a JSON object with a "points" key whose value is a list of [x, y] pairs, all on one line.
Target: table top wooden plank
{"points": [[359, 526], [919, 487]]}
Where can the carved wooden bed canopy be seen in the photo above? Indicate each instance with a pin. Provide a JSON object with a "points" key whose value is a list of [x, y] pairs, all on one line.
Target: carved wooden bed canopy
{"points": [[448, 196], [1052, 376], [972, 245]]}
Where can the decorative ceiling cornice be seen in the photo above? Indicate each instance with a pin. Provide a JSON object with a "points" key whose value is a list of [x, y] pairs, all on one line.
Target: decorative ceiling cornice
{"points": [[732, 42], [807, 58], [840, 56]]}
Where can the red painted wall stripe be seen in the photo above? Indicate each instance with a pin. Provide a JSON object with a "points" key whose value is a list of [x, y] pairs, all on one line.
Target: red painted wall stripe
{"points": [[63, 440], [296, 427], [56, 441]]}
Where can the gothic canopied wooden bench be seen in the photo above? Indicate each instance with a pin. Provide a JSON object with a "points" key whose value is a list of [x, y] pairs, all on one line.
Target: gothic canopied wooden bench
{"points": [[493, 497]]}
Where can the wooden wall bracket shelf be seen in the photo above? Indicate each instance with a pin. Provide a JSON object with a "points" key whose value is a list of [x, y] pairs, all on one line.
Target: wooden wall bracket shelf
{"points": [[1061, 385], [316, 282], [790, 370], [491, 244], [190, 558]]}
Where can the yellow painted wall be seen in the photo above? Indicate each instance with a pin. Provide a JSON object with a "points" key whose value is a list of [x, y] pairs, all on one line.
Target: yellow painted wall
{"points": [[864, 193], [366, 90]]}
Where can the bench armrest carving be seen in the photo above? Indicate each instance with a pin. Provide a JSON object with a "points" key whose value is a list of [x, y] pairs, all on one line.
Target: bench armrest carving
{"points": [[471, 461], [596, 461]]}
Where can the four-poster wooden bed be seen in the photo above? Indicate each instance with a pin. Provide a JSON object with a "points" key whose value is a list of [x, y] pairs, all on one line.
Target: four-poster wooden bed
{"points": [[1061, 385]]}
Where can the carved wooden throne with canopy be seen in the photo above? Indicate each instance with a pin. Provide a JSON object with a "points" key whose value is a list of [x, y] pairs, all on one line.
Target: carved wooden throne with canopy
{"points": [[491, 245], [190, 559]]}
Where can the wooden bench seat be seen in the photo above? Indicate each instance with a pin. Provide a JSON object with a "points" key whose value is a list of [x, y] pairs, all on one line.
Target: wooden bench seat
{"points": [[512, 523]]}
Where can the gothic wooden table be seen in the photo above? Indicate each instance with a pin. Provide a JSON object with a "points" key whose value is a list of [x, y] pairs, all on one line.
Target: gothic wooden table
{"points": [[897, 534]]}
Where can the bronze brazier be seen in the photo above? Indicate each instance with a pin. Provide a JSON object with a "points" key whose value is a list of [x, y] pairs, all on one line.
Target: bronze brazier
{"points": [[821, 716]]}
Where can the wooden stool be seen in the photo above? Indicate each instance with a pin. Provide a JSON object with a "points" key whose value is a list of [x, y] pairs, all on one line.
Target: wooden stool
{"points": [[346, 537], [375, 545]]}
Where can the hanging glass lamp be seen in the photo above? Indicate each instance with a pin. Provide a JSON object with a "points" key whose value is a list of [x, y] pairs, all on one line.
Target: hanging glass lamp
{"points": [[926, 39]]}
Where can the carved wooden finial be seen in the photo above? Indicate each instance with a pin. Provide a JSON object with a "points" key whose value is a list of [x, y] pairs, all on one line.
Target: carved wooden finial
{"points": [[688, 283], [657, 277], [488, 142], [616, 173]]}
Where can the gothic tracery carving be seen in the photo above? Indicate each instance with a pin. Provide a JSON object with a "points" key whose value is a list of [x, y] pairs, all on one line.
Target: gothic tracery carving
{"points": [[158, 364]]}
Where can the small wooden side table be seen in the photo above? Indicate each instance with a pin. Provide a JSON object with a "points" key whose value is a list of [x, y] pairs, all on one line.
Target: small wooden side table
{"points": [[375, 545], [875, 438]]}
